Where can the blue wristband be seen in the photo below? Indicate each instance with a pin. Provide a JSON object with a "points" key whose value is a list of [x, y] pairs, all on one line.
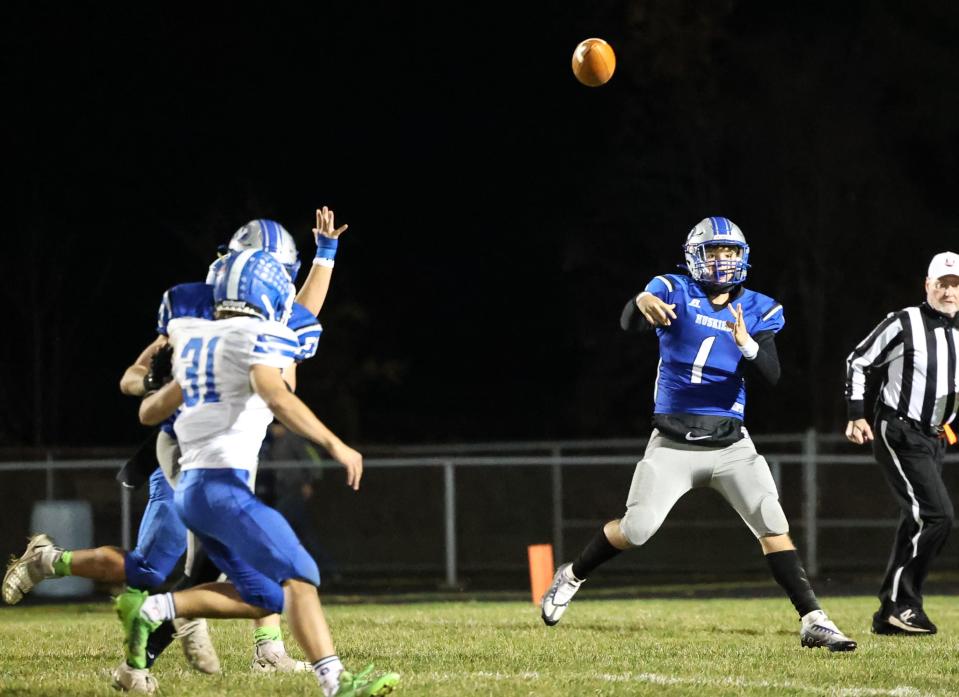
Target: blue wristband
{"points": [[326, 248]]}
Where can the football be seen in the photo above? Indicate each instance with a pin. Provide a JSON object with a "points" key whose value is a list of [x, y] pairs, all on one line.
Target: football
{"points": [[594, 62]]}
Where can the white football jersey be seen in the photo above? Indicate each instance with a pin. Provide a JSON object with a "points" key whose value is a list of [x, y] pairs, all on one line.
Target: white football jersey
{"points": [[223, 421]]}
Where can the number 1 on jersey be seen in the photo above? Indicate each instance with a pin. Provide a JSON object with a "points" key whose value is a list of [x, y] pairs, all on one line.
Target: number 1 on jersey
{"points": [[696, 376]]}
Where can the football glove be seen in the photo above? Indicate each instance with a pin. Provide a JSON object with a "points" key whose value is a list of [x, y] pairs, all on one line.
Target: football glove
{"points": [[161, 369]]}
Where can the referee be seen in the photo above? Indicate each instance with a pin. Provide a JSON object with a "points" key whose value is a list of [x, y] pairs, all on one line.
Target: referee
{"points": [[916, 347]]}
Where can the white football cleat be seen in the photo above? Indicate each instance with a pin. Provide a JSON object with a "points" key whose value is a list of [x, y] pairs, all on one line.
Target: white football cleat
{"points": [[134, 679], [819, 631], [194, 636], [270, 656], [32, 567], [556, 599]]}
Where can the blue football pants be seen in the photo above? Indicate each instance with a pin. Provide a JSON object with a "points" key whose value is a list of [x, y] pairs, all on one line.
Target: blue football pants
{"points": [[247, 540]]}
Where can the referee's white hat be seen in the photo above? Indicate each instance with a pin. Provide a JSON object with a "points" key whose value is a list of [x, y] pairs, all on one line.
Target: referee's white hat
{"points": [[944, 264]]}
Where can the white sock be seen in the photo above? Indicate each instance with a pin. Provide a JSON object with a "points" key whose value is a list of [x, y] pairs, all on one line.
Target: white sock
{"points": [[814, 616], [158, 608], [328, 673]]}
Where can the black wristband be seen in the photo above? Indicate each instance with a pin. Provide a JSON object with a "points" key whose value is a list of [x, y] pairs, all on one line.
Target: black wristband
{"points": [[856, 409]]}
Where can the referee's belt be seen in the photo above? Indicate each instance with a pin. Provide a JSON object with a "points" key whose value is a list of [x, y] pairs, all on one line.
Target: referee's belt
{"points": [[944, 431]]}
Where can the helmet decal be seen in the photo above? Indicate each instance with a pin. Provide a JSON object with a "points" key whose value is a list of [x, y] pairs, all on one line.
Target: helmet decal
{"points": [[253, 282]]}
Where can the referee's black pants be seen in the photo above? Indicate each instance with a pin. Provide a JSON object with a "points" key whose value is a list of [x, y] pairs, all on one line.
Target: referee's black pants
{"points": [[912, 463]]}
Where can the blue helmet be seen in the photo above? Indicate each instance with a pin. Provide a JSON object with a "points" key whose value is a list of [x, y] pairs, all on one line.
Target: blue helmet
{"points": [[718, 275], [268, 235], [253, 282]]}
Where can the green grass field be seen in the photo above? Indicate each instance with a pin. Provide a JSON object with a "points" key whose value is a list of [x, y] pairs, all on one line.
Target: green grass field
{"points": [[602, 647]]}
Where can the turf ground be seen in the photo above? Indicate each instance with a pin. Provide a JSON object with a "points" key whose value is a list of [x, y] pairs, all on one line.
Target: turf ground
{"points": [[602, 647]]}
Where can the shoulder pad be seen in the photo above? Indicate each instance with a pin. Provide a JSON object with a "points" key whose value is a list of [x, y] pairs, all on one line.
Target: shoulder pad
{"points": [[769, 311], [185, 300]]}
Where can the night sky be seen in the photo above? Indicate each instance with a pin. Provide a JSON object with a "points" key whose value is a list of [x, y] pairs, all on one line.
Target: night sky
{"points": [[500, 213]]}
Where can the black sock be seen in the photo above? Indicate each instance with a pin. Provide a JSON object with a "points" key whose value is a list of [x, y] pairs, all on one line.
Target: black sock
{"points": [[788, 572], [159, 639], [598, 551]]}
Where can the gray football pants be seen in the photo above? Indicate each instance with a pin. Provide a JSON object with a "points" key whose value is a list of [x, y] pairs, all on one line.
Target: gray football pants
{"points": [[669, 469]]}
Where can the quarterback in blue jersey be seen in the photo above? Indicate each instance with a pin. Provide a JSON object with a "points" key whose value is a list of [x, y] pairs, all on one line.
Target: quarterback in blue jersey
{"points": [[713, 334]]}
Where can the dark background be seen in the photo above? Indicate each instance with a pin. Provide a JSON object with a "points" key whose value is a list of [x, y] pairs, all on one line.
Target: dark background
{"points": [[500, 213]]}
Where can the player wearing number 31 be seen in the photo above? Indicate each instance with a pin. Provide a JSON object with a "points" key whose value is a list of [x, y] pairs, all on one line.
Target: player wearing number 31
{"points": [[712, 333]]}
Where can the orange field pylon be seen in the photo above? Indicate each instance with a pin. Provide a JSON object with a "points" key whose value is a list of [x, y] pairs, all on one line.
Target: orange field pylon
{"points": [[540, 570]]}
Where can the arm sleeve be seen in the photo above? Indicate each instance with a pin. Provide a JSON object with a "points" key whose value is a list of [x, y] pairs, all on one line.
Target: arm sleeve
{"points": [[882, 345], [274, 350], [766, 363], [631, 319]]}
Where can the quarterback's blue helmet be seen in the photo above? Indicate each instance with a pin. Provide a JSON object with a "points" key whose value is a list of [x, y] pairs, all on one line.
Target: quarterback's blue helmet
{"points": [[716, 274], [272, 237], [253, 282]]}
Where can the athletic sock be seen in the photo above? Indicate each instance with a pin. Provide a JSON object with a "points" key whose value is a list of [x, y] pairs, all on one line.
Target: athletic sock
{"points": [[158, 608], [162, 636], [328, 671], [267, 634], [159, 639], [62, 563], [597, 552], [789, 573]]}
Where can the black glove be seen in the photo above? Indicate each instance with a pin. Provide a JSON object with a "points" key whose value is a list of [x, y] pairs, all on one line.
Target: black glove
{"points": [[161, 369]]}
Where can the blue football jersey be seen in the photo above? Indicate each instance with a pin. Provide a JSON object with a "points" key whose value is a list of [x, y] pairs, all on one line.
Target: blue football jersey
{"points": [[185, 300], [307, 329], [700, 367], [196, 300]]}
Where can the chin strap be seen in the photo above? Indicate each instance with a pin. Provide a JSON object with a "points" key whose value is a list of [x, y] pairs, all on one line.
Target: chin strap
{"points": [[718, 287]]}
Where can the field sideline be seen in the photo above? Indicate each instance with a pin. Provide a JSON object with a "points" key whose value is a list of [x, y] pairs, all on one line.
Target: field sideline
{"points": [[602, 647]]}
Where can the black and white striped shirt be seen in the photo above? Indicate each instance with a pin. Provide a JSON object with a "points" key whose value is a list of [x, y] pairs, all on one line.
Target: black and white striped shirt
{"points": [[918, 344]]}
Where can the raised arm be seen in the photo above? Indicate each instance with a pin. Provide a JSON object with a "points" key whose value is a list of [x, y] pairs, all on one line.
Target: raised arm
{"points": [[268, 382], [313, 293]]}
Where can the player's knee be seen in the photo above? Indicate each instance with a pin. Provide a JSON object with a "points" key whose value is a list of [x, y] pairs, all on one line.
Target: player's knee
{"points": [[305, 569], [639, 524], [140, 573], [941, 520], [773, 518], [267, 595]]}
